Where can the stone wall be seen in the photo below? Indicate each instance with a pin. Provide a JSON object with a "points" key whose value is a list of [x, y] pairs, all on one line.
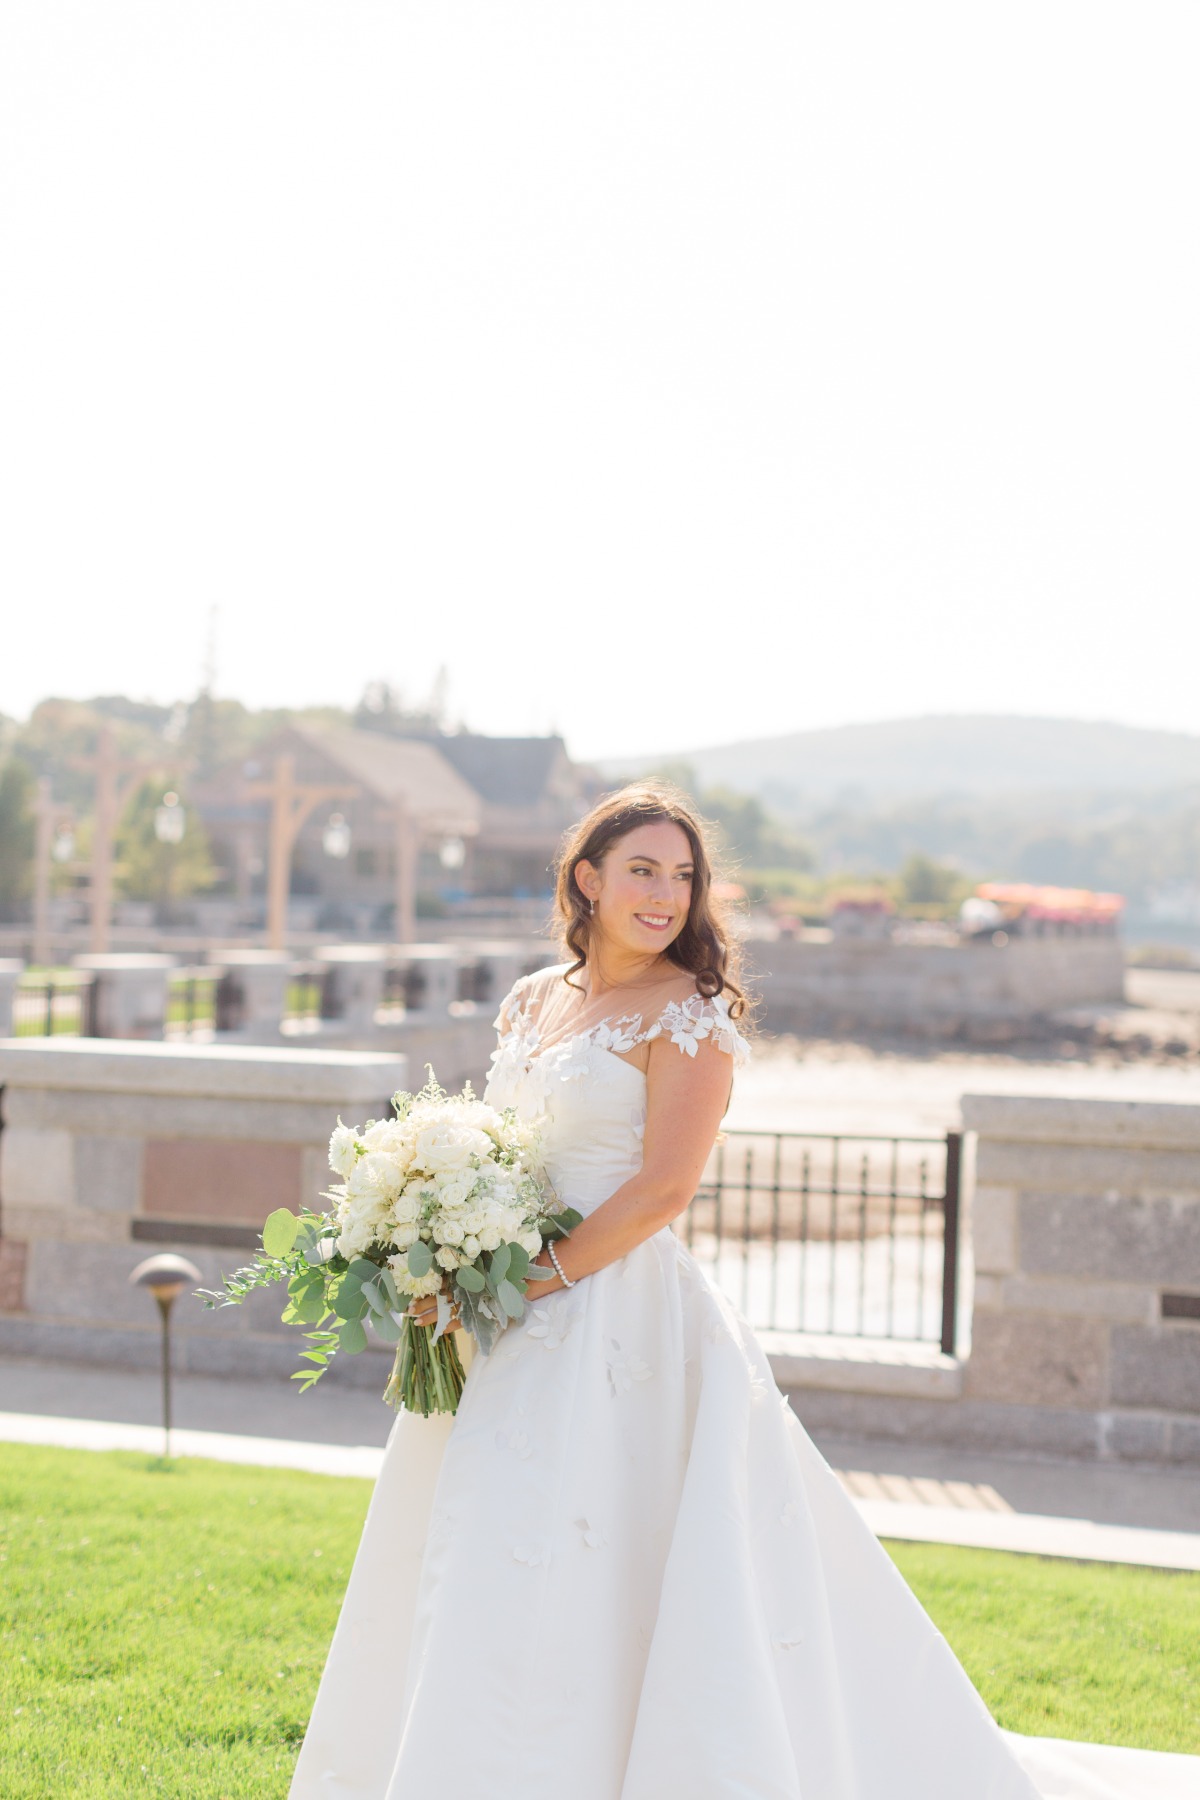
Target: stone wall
{"points": [[112, 1150], [976, 990]]}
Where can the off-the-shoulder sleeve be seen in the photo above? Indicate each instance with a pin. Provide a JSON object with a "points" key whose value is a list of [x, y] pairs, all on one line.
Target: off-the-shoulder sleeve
{"points": [[689, 1023]]}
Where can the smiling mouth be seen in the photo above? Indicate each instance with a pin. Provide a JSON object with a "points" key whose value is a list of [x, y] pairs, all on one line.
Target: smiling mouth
{"points": [[654, 921]]}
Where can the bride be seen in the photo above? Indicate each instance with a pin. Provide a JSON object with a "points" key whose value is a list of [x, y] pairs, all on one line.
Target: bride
{"points": [[622, 1571]]}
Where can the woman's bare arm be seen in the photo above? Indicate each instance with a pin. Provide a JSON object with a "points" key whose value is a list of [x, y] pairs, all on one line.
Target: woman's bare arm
{"points": [[685, 1099]]}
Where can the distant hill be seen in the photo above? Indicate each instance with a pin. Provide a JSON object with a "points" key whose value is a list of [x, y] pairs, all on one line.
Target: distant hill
{"points": [[945, 757]]}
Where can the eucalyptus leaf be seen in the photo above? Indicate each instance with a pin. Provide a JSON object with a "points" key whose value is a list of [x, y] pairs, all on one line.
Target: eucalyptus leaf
{"points": [[348, 1302], [386, 1328], [352, 1338], [498, 1267], [420, 1258], [372, 1296], [362, 1269], [387, 1283], [518, 1262], [471, 1279], [279, 1232], [511, 1299]]}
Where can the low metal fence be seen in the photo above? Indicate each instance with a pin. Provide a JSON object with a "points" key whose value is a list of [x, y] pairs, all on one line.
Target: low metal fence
{"points": [[832, 1234], [304, 1005], [192, 1002], [54, 1005]]}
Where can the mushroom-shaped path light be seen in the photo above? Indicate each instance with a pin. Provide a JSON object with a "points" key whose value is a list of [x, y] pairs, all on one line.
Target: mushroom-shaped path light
{"points": [[165, 1277]]}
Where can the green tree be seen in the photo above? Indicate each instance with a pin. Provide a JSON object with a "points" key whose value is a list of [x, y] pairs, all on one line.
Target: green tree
{"points": [[924, 882], [755, 837], [148, 869], [17, 832]]}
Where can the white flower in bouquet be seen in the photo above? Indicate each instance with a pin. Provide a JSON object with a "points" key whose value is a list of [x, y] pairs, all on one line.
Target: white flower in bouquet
{"points": [[343, 1149], [444, 1199]]}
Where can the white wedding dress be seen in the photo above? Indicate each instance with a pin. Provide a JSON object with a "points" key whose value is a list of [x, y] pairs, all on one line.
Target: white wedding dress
{"points": [[623, 1571]]}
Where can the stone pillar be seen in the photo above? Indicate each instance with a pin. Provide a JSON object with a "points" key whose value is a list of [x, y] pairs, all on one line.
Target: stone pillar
{"points": [[252, 994], [130, 993], [503, 964], [1086, 1325], [10, 975], [354, 984], [431, 972]]}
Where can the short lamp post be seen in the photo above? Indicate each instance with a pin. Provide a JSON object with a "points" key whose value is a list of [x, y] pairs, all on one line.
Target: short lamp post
{"points": [[165, 1277]]}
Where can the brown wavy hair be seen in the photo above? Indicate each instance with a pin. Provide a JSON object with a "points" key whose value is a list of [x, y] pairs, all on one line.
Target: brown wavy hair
{"points": [[705, 947]]}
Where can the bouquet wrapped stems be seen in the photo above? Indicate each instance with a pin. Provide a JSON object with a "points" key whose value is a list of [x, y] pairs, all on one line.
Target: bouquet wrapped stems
{"points": [[426, 1377]]}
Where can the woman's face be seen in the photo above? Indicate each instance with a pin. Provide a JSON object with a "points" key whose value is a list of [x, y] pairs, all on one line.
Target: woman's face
{"points": [[642, 887]]}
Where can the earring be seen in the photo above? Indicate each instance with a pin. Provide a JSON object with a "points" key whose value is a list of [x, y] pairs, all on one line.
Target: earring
{"points": [[591, 909]]}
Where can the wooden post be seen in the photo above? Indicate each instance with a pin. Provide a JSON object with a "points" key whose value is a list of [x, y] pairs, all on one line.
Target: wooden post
{"points": [[48, 817], [111, 794], [292, 802]]}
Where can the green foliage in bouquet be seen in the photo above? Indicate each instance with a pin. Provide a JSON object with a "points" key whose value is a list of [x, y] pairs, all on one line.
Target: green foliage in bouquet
{"points": [[419, 1192]]}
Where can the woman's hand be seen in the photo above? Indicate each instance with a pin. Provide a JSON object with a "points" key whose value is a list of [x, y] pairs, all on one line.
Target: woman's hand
{"points": [[424, 1311]]}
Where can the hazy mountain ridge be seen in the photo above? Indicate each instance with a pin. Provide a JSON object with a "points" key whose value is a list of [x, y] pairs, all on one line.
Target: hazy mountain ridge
{"points": [[945, 757]]}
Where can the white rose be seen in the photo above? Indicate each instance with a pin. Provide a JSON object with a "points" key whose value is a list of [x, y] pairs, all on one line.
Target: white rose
{"points": [[446, 1258], [474, 1220], [489, 1238], [448, 1231], [393, 1137], [471, 1248], [443, 1147], [456, 1190], [530, 1241], [404, 1235], [406, 1208], [343, 1153]]}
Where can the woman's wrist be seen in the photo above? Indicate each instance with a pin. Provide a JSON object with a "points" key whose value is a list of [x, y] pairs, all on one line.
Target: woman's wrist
{"points": [[534, 1288]]}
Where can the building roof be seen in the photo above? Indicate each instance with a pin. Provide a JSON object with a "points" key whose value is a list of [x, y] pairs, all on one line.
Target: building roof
{"points": [[408, 770], [505, 771]]}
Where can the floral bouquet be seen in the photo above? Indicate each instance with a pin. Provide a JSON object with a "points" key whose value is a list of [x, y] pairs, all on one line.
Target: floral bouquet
{"points": [[445, 1198]]}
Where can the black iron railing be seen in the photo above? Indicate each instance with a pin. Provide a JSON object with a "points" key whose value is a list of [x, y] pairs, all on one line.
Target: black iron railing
{"points": [[54, 1004], [833, 1234], [192, 1002]]}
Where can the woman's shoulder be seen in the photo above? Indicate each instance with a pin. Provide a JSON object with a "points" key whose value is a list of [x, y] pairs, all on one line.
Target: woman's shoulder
{"points": [[528, 991], [688, 1017]]}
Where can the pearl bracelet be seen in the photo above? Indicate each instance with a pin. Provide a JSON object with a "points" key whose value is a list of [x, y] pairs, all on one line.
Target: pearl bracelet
{"points": [[559, 1270]]}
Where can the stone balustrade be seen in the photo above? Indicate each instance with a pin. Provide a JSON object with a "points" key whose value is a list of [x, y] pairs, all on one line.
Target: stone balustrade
{"points": [[10, 974], [129, 993], [110, 1148]]}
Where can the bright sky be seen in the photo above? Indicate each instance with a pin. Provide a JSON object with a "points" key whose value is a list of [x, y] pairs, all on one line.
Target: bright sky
{"points": [[673, 373]]}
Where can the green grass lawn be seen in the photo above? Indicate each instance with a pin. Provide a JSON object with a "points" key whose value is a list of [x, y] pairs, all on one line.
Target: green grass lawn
{"points": [[1094, 1651], [162, 1629]]}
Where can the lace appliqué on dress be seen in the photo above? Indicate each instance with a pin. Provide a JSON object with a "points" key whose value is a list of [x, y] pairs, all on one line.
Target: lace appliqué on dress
{"points": [[523, 1072], [688, 1022]]}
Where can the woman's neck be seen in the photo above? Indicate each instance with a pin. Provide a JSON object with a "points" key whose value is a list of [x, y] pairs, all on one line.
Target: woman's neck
{"points": [[610, 967]]}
